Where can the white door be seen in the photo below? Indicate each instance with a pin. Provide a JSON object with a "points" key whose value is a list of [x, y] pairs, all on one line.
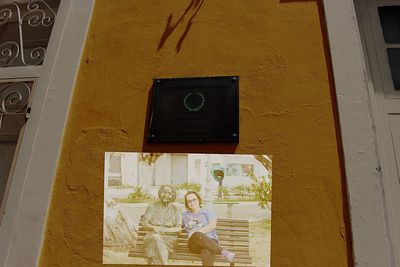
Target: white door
{"points": [[381, 24]]}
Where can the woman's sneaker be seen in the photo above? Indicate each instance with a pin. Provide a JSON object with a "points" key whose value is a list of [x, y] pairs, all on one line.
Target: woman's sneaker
{"points": [[228, 255]]}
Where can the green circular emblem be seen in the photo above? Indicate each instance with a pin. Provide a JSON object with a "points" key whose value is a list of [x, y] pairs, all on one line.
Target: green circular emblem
{"points": [[194, 101]]}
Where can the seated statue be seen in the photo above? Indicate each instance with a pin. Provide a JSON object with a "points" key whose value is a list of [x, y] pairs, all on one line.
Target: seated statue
{"points": [[163, 219]]}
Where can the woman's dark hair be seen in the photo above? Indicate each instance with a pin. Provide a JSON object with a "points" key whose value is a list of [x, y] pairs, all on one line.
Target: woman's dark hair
{"points": [[194, 193]]}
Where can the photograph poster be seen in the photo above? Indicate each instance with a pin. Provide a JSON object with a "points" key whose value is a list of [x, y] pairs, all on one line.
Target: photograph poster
{"points": [[187, 209]]}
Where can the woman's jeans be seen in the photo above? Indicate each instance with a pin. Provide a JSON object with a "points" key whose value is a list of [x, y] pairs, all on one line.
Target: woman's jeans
{"points": [[205, 246]]}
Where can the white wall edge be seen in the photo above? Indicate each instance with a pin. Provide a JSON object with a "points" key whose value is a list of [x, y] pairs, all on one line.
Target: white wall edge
{"points": [[23, 225], [371, 242]]}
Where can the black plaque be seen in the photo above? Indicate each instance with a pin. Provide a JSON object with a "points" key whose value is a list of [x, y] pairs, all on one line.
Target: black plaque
{"points": [[195, 110]]}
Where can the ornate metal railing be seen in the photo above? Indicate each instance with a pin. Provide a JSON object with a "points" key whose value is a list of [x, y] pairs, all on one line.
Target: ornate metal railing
{"points": [[14, 99], [25, 28]]}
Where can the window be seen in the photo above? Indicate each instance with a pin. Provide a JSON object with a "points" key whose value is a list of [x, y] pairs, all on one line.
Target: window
{"points": [[25, 29], [390, 24], [381, 32], [114, 171]]}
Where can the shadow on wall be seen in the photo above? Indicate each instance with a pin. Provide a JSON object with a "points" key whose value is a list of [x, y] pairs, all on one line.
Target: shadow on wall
{"points": [[191, 10]]}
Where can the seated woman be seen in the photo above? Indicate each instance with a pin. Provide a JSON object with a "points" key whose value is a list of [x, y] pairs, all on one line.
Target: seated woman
{"points": [[200, 226]]}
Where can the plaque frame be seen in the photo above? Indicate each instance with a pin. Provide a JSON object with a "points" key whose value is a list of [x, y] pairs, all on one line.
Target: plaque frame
{"points": [[195, 109]]}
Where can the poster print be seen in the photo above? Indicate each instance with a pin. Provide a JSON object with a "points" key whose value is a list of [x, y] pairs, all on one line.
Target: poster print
{"points": [[187, 209]]}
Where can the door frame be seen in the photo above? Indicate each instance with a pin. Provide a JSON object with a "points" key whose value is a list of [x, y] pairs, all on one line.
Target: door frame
{"points": [[23, 224], [3, 200], [372, 244]]}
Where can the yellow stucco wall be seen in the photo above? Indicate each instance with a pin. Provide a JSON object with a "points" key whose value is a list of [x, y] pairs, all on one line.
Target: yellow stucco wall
{"points": [[277, 49]]}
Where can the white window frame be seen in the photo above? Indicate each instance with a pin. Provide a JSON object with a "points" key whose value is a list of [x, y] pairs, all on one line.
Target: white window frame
{"points": [[3, 200], [23, 224], [372, 243], [380, 56], [378, 71]]}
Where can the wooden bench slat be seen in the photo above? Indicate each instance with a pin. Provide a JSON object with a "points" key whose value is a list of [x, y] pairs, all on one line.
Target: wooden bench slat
{"points": [[219, 233], [193, 257], [234, 224], [183, 241], [219, 228], [222, 220], [237, 257], [225, 223], [226, 240], [243, 254], [225, 245], [197, 256], [234, 249], [232, 228], [232, 220], [189, 258]]}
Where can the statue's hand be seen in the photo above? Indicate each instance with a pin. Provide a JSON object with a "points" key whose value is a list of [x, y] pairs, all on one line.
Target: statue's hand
{"points": [[157, 229]]}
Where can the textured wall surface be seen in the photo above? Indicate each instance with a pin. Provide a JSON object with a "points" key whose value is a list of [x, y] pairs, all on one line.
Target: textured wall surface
{"points": [[277, 49]]}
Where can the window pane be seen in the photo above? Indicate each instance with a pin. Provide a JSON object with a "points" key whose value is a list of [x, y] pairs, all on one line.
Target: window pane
{"points": [[390, 22], [25, 28], [14, 103], [115, 164], [6, 155], [394, 63], [14, 98]]}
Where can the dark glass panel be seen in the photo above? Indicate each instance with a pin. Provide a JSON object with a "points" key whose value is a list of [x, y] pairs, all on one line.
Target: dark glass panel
{"points": [[394, 63], [390, 22]]}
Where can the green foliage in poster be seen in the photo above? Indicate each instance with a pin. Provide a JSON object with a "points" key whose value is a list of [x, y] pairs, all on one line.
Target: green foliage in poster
{"points": [[188, 187], [262, 189], [138, 195]]}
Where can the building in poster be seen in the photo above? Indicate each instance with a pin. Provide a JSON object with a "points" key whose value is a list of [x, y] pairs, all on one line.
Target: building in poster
{"points": [[124, 169]]}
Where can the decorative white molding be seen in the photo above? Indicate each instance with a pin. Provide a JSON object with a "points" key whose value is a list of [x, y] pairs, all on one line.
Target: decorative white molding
{"points": [[24, 221]]}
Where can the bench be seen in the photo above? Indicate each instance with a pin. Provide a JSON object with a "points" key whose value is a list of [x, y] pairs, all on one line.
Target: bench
{"points": [[233, 235]]}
